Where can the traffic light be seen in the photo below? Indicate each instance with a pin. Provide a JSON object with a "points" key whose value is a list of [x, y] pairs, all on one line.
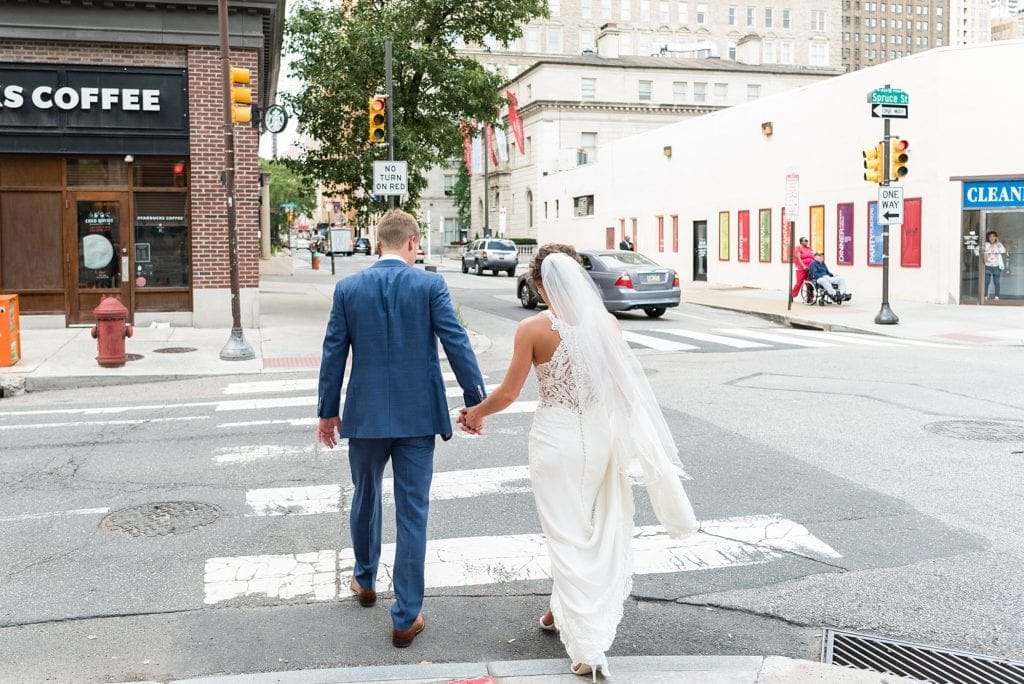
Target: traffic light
{"points": [[898, 158], [378, 117], [873, 163], [241, 96]]}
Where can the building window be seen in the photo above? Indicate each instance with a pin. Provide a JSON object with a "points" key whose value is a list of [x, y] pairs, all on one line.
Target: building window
{"points": [[529, 150], [161, 238], [626, 10], [721, 93], [625, 43], [787, 19], [556, 208], [753, 92], [533, 39], [819, 54], [751, 16], [644, 90], [583, 205], [553, 7], [554, 40], [643, 44], [585, 9], [818, 20], [529, 208], [732, 16], [606, 9], [663, 11], [545, 211], [645, 10], [679, 92], [700, 92], [588, 87], [731, 50], [449, 184], [786, 54], [588, 147], [769, 52], [702, 14], [684, 13], [587, 41], [769, 19]]}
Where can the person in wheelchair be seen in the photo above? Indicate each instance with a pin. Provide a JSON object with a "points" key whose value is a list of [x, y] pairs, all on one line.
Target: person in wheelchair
{"points": [[818, 273]]}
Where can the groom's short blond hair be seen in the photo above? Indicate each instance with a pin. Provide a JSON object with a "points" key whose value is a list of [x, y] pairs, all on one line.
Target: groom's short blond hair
{"points": [[395, 227]]}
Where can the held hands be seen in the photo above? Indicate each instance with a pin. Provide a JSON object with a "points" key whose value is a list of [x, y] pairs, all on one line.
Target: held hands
{"points": [[470, 421], [327, 431]]}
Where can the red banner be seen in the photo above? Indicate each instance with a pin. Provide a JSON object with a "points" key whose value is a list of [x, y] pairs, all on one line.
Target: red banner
{"points": [[514, 122], [490, 144], [910, 233]]}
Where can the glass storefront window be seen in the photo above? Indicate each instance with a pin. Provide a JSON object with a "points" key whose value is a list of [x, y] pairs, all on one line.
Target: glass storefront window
{"points": [[970, 249], [161, 240], [97, 172], [98, 244], [160, 173], [1009, 228]]}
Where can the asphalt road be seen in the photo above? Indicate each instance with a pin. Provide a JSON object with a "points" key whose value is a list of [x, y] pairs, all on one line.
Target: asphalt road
{"points": [[843, 484]]}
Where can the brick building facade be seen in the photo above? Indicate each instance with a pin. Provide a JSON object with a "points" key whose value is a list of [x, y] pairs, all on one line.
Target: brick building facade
{"points": [[111, 155]]}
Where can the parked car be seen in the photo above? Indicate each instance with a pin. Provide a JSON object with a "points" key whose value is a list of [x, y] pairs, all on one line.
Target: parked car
{"points": [[361, 245], [491, 254], [297, 242], [420, 255], [625, 281]]}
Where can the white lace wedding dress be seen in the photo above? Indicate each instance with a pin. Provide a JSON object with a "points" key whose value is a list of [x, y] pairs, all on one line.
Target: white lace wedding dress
{"points": [[585, 504]]}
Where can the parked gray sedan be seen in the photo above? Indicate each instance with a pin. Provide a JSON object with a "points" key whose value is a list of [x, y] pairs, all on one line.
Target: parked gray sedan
{"points": [[625, 280]]}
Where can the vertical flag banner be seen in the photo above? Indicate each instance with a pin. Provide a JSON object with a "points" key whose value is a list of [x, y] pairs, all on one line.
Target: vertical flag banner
{"points": [[844, 234], [502, 143], [875, 231], [910, 233], [723, 236], [765, 234], [743, 235], [514, 122], [467, 146], [489, 130], [818, 228], [478, 155]]}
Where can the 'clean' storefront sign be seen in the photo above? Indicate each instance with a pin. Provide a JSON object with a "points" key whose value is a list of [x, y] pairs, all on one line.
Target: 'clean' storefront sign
{"points": [[993, 194]]}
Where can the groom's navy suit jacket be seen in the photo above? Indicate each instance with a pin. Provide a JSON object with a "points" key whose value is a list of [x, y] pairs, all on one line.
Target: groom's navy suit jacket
{"points": [[391, 316]]}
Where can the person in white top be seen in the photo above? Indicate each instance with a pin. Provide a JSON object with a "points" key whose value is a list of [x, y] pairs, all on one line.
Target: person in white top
{"points": [[994, 252], [597, 416]]}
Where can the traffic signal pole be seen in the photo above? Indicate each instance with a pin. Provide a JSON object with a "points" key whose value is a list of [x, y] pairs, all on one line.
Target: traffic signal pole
{"points": [[236, 349], [389, 88], [885, 316]]}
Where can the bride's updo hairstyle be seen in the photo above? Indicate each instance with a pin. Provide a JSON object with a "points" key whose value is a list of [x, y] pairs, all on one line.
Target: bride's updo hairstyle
{"points": [[543, 252]]}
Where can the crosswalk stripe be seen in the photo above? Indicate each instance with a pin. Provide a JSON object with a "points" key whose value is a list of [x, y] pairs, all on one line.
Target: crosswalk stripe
{"points": [[489, 560], [852, 338], [717, 339], [446, 486], [268, 386], [293, 422], [94, 423], [773, 337], [656, 342], [257, 452]]}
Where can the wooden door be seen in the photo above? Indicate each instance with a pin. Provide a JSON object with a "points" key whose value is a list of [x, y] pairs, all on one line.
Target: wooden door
{"points": [[97, 238]]}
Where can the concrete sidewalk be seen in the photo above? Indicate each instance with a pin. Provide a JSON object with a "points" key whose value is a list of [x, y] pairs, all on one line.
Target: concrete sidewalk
{"points": [[624, 670], [295, 302]]}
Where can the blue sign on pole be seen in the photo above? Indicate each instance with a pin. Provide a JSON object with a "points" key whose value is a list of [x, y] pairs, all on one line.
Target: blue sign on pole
{"points": [[993, 194], [875, 230]]}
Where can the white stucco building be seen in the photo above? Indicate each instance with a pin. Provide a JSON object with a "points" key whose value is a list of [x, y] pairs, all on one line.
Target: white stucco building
{"points": [[712, 208]]}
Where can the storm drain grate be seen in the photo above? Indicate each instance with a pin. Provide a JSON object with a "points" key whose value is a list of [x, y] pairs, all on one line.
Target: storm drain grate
{"points": [[174, 350], [983, 430], [926, 663]]}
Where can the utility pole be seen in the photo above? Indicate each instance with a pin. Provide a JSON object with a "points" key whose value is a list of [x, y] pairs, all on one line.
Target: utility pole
{"points": [[487, 212], [236, 349], [389, 89]]}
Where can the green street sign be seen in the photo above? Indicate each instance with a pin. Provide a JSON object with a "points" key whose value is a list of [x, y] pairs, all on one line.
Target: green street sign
{"points": [[289, 205], [888, 96]]}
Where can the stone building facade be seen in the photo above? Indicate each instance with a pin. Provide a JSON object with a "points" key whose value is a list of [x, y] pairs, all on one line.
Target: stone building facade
{"points": [[877, 32]]}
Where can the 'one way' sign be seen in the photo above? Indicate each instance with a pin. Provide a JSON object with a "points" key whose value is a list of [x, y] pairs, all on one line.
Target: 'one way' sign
{"points": [[890, 205]]}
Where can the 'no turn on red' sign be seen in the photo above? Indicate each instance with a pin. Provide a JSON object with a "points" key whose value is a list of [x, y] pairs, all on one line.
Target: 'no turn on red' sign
{"points": [[390, 177]]}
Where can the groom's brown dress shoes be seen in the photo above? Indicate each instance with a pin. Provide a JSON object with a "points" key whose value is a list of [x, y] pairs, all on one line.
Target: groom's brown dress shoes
{"points": [[403, 637], [367, 597]]}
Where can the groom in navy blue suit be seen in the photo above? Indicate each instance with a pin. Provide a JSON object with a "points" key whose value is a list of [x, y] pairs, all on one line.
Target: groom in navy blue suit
{"points": [[391, 317]]}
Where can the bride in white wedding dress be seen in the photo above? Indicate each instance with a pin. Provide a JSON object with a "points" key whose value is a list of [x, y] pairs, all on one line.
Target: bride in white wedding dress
{"points": [[597, 415]]}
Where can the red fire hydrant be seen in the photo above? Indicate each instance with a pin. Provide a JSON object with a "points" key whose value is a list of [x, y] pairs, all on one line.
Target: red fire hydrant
{"points": [[110, 331]]}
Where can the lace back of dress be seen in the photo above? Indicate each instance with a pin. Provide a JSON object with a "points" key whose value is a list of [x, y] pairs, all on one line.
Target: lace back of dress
{"points": [[559, 381]]}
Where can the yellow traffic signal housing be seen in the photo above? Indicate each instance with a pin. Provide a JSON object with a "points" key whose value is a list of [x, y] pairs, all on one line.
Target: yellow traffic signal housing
{"points": [[898, 158], [378, 119], [241, 95], [873, 163]]}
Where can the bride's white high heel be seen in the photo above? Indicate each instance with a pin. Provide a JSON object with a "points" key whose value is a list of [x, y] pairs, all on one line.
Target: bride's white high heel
{"points": [[583, 669], [548, 627]]}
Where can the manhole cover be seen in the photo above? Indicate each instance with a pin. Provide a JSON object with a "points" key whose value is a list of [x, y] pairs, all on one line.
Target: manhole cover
{"points": [[132, 357], [983, 430], [174, 350], [159, 519]]}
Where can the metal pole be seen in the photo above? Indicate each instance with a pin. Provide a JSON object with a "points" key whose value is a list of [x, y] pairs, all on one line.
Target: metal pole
{"points": [[885, 316], [236, 349], [788, 227], [389, 87], [487, 212]]}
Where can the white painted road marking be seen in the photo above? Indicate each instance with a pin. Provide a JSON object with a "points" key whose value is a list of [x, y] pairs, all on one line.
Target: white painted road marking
{"points": [[294, 422], [656, 342], [294, 500], [772, 337], [268, 386], [54, 514], [96, 423], [717, 339], [470, 561], [256, 452]]}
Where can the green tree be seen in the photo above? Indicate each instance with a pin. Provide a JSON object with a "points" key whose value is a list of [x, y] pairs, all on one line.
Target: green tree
{"points": [[287, 185], [339, 48]]}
